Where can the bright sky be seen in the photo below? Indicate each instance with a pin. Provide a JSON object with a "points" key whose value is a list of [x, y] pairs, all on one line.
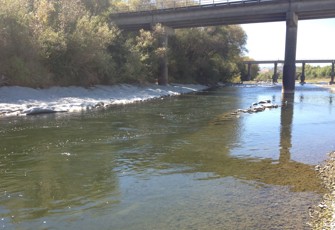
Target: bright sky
{"points": [[316, 40]]}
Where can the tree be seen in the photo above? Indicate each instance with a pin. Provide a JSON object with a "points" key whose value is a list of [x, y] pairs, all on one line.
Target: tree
{"points": [[97, 7], [140, 55], [46, 42], [19, 59], [206, 55], [73, 42], [244, 69]]}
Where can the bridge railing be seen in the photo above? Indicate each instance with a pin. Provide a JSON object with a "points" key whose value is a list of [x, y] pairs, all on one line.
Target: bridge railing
{"points": [[174, 4]]}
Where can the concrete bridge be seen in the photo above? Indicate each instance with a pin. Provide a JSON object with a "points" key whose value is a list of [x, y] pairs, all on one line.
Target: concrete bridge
{"points": [[302, 62], [198, 14]]}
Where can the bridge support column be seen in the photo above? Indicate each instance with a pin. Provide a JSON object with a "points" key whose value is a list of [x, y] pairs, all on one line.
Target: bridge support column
{"points": [[290, 52], [332, 74], [249, 72], [302, 78], [275, 75], [163, 74]]}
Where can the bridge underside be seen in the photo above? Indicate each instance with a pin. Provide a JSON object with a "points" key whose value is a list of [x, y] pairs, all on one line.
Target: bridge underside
{"points": [[243, 12], [221, 14]]}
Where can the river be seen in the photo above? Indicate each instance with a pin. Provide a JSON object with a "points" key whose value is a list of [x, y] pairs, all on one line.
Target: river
{"points": [[171, 163]]}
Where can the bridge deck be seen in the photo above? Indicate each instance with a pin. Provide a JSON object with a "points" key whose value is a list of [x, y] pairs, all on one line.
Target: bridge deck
{"points": [[297, 61], [224, 13], [236, 12]]}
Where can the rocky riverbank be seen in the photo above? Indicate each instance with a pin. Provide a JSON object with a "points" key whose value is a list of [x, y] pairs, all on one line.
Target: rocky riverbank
{"points": [[323, 215]]}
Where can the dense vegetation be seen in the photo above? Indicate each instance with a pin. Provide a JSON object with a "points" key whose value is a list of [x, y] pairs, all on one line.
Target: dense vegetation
{"points": [[311, 73], [72, 42]]}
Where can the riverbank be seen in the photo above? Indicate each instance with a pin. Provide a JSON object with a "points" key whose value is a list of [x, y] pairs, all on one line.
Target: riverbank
{"points": [[323, 215], [21, 101]]}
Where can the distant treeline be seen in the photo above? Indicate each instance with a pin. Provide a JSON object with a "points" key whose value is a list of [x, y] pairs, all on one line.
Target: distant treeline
{"points": [[72, 42], [311, 72]]}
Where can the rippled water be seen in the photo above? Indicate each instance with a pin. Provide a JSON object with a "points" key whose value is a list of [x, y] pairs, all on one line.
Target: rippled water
{"points": [[172, 163]]}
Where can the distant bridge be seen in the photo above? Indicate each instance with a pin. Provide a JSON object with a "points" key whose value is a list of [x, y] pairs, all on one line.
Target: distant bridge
{"points": [[174, 15], [302, 62]]}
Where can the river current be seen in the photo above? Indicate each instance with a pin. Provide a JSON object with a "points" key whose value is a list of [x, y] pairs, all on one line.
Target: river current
{"points": [[172, 163]]}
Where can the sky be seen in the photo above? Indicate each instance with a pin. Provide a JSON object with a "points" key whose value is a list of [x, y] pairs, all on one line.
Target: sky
{"points": [[316, 40]]}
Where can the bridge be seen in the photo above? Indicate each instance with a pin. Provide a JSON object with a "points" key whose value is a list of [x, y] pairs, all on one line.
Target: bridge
{"points": [[302, 62], [201, 13]]}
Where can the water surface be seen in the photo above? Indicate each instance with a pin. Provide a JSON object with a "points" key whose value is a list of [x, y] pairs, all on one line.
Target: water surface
{"points": [[172, 163]]}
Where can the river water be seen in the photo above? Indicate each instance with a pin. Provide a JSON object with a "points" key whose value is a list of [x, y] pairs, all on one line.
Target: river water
{"points": [[172, 163]]}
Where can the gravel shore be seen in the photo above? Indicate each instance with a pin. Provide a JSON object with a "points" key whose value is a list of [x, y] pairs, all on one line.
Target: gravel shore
{"points": [[323, 215]]}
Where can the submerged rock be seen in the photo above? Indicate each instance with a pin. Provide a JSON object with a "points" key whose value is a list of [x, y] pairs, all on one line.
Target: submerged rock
{"points": [[254, 108], [264, 102], [259, 107], [37, 111], [99, 105]]}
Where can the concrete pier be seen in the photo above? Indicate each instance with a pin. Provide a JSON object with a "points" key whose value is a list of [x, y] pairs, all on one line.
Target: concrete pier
{"points": [[290, 52], [163, 73], [303, 76], [332, 74], [275, 74], [249, 71], [163, 76]]}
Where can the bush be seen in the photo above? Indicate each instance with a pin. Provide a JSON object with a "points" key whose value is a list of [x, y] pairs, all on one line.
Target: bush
{"points": [[46, 42]]}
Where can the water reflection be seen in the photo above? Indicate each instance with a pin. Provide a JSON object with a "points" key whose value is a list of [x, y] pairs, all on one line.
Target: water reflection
{"points": [[209, 150], [286, 119]]}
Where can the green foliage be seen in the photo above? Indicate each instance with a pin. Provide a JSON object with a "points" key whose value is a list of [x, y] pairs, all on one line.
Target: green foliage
{"points": [[206, 55], [313, 72], [59, 39], [98, 7], [137, 55], [244, 70], [71, 42], [134, 5], [19, 59], [264, 77]]}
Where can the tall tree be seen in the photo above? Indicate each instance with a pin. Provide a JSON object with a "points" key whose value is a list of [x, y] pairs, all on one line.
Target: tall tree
{"points": [[207, 55]]}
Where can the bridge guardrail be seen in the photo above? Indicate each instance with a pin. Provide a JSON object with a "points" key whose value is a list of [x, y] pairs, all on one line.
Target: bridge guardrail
{"points": [[181, 4]]}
